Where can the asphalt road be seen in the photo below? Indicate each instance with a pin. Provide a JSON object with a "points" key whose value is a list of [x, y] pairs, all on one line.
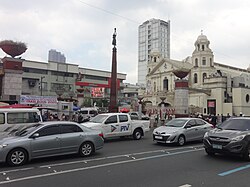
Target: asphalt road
{"points": [[126, 162]]}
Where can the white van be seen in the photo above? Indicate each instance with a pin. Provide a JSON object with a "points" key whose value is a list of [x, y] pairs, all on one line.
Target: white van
{"points": [[88, 112], [12, 119]]}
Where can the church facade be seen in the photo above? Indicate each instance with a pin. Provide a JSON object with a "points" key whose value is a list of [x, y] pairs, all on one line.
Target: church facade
{"points": [[214, 88]]}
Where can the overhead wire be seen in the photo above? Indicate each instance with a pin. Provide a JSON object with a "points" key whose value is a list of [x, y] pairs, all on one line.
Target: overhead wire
{"points": [[136, 22], [109, 12]]}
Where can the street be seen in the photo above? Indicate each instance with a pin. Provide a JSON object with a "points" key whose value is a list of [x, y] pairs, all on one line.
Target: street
{"points": [[126, 162]]}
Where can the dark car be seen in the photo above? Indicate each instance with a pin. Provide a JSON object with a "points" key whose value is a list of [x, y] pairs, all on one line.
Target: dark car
{"points": [[231, 137]]}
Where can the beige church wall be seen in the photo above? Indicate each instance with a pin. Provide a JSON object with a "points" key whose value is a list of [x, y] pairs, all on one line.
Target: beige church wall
{"points": [[198, 100], [227, 108], [240, 103], [218, 95]]}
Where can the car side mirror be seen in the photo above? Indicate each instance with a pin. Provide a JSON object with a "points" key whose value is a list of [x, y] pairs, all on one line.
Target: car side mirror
{"points": [[188, 126], [34, 136]]}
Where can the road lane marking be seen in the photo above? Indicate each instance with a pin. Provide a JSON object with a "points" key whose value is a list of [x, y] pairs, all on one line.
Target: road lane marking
{"points": [[16, 170], [234, 170], [98, 166], [185, 185], [117, 156]]}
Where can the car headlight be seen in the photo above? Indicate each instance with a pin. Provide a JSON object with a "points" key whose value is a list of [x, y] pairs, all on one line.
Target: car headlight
{"points": [[3, 146], [238, 138], [206, 135]]}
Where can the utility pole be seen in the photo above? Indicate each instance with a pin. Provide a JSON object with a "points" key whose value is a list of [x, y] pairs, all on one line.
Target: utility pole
{"points": [[41, 85]]}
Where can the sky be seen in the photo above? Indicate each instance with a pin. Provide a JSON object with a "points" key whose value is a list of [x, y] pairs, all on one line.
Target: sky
{"points": [[82, 29]]}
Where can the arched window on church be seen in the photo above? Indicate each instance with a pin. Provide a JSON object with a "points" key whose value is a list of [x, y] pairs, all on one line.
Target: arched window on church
{"points": [[165, 84], [203, 61], [154, 86], [198, 47], [211, 63], [149, 70], [195, 78], [204, 75], [196, 62], [203, 47], [154, 59]]}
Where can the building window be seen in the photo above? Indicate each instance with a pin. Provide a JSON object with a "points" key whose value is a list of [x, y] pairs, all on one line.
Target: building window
{"points": [[195, 78], [203, 61], [93, 77], [203, 47], [33, 70], [204, 76], [196, 62], [154, 59], [154, 86], [58, 86], [165, 84], [205, 110], [149, 70], [247, 98], [62, 74], [211, 64]]}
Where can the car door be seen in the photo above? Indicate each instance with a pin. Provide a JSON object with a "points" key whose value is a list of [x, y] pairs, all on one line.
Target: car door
{"points": [[203, 127], [72, 137], [124, 125], [47, 143], [190, 131], [111, 126]]}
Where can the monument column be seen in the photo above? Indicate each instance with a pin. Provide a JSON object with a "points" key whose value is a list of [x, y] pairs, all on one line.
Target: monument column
{"points": [[113, 88], [181, 98], [181, 93]]}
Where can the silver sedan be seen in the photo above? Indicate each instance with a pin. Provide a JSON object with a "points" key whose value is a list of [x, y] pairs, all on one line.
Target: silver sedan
{"points": [[181, 130], [49, 139]]}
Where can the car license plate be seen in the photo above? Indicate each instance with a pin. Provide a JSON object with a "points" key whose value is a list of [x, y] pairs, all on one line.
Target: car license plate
{"points": [[158, 137], [216, 146]]}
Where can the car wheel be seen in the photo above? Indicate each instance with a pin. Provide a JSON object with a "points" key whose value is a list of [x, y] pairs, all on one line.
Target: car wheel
{"points": [[86, 149], [17, 157], [210, 153], [137, 134], [181, 140], [246, 155]]}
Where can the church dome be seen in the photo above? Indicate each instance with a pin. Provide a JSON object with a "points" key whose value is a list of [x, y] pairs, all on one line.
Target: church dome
{"points": [[202, 39]]}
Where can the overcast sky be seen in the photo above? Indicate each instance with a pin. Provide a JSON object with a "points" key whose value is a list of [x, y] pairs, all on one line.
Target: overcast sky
{"points": [[82, 29]]}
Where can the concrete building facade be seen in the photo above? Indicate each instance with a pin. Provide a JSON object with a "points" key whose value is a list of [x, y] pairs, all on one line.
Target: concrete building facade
{"points": [[214, 88], [25, 77]]}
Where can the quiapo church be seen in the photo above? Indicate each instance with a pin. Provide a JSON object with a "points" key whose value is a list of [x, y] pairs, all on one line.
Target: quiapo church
{"points": [[197, 84]]}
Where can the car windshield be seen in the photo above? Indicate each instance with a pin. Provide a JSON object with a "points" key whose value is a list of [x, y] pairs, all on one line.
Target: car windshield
{"points": [[99, 118], [176, 123], [26, 130], [236, 124]]}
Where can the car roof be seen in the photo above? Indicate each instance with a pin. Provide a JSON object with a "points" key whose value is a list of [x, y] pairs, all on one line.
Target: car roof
{"points": [[188, 118], [247, 118], [19, 110], [57, 122], [114, 113]]}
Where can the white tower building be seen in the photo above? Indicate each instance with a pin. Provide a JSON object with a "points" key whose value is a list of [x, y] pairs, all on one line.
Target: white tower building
{"points": [[154, 35]]}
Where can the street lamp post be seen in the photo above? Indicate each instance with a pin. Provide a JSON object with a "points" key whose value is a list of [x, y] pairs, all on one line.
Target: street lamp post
{"points": [[41, 84]]}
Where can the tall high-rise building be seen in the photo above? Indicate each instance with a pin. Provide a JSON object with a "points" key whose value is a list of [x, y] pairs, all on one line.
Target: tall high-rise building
{"points": [[154, 35], [55, 56]]}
